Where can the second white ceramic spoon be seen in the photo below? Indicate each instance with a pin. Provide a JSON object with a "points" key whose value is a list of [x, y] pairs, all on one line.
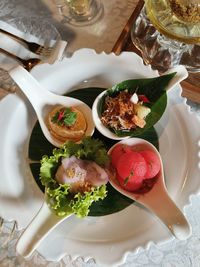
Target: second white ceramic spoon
{"points": [[43, 101], [41, 225], [157, 200]]}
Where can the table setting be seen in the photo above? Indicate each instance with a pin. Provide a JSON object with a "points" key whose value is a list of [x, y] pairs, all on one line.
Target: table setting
{"points": [[82, 55]]}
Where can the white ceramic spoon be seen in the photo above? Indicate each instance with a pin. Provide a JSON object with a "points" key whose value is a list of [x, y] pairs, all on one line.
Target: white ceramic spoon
{"points": [[157, 200], [43, 101], [40, 226], [181, 74]]}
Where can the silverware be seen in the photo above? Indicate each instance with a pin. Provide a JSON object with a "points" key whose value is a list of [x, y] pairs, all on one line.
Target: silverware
{"points": [[33, 47], [28, 64]]}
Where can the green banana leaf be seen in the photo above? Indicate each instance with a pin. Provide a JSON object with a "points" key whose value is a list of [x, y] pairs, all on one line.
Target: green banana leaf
{"points": [[39, 146]]}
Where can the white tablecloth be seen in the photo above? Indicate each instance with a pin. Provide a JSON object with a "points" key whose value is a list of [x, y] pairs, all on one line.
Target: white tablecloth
{"points": [[101, 37]]}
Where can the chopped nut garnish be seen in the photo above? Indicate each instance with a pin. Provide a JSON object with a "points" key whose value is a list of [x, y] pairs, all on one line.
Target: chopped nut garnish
{"points": [[189, 12], [121, 113], [80, 186], [70, 172]]}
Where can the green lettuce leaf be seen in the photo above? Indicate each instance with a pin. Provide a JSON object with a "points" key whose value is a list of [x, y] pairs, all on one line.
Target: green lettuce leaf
{"points": [[81, 203], [57, 195]]}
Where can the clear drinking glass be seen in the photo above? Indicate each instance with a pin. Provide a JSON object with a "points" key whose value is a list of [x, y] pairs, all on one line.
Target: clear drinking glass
{"points": [[80, 12], [164, 39]]}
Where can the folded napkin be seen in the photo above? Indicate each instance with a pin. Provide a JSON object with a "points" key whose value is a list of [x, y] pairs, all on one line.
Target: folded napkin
{"points": [[16, 47], [7, 85]]}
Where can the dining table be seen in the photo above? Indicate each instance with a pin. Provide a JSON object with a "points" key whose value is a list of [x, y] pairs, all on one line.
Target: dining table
{"points": [[111, 34]]}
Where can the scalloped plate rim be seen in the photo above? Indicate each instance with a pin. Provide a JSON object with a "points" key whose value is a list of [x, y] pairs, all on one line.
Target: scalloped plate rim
{"points": [[40, 73]]}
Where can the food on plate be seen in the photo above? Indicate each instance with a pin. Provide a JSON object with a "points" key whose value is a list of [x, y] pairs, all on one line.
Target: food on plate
{"points": [[66, 123], [153, 163], [135, 168], [80, 174], [131, 164], [131, 107], [117, 151], [125, 111], [75, 176]]}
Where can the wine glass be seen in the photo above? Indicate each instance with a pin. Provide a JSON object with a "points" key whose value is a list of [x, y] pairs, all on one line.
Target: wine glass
{"points": [[166, 32], [80, 12]]}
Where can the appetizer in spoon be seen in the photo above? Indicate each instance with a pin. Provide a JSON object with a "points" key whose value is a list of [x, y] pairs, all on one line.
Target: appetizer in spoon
{"points": [[131, 107], [66, 123], [138, 174], [74, 177], [61, 118]]}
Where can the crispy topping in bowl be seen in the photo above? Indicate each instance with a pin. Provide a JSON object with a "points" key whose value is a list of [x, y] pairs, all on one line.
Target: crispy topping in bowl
{"points": [[121, 113]]}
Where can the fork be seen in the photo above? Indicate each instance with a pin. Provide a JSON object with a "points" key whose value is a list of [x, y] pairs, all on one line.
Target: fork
{"points": [[33, 47], [28, 64]]}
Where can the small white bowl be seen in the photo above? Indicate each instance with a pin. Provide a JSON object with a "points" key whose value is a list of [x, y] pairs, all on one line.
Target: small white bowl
{"points": [[99, 125]]}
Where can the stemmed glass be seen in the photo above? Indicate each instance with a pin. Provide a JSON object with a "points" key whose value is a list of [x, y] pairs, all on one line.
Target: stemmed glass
{"points": [[80, 12], [167, 33]]}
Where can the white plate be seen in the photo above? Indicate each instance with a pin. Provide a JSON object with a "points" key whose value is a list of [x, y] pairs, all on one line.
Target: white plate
{"points": [[107, 239]]}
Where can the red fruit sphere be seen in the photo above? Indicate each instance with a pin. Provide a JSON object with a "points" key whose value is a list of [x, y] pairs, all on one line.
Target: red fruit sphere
{"points": [[117, 152], [153, 163], [130, 184], [132, 165]]}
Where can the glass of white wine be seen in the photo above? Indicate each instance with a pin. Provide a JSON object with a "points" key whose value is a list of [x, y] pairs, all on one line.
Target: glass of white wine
{"points": [[80, 12], [177, 19], [167, 33]]}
